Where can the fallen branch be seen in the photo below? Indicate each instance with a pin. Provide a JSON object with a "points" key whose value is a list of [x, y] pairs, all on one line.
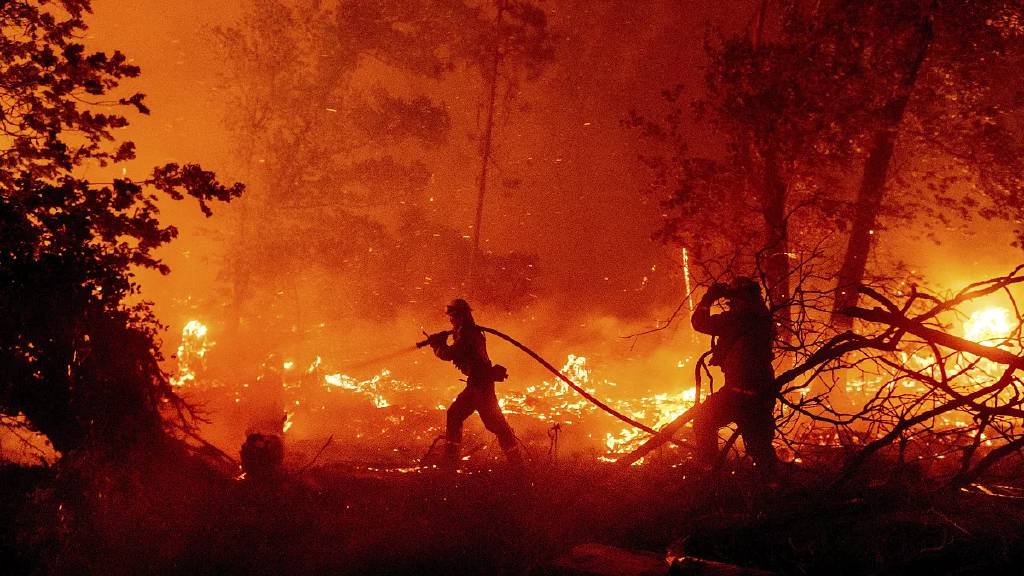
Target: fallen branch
{"points": [[969, 476], [939, 337], [660, 437], [904, 425]]}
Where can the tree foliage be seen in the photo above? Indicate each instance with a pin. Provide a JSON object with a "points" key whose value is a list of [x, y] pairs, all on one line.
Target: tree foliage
{"points": [[837, 121], [77, 358], [843, 116], [331, 106]]}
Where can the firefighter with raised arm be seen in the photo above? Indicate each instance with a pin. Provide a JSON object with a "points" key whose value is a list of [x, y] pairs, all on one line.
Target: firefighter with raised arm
{"points": [[742, 348], [468, 351]]}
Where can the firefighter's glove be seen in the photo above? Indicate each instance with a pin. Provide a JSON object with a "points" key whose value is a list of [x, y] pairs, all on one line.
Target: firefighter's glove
{"points": [[716, 291], [438, 338], [499, 373]]}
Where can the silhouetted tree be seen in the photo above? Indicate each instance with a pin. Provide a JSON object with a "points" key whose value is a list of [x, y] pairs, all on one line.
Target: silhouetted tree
{"points": [[309, 138], [940, 137], [814, 105], [327, 101], [518, 44], [77, 358]]}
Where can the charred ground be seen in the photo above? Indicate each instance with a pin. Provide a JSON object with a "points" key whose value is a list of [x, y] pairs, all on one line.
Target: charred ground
{"points": [[339, 520]]}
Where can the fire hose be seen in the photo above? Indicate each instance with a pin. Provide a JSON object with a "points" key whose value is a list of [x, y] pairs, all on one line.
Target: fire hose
{"points": [[660, 437], [588, 396]]}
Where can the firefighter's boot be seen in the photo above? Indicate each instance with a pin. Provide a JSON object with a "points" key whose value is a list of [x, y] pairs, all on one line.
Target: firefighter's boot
{"points": [[452, 454], [514, 457]]}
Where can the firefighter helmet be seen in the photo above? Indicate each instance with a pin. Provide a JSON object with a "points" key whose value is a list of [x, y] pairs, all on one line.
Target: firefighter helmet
{"points": [[744, 286], [458, 306]]}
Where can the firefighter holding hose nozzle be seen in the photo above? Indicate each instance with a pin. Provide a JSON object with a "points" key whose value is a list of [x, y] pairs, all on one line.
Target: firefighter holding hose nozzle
{"points": [[468, 351], [743, 349]]}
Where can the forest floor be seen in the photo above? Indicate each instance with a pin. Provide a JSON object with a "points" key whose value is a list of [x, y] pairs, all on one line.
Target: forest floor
{"points": [[339, 519]]}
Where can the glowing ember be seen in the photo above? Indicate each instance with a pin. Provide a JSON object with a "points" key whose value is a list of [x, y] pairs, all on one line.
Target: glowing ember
{"points": [[988, 324], [191, 352], [314, 365], [658, 410], [371, 387], [306, 384], [553, 400], [556, 401]]}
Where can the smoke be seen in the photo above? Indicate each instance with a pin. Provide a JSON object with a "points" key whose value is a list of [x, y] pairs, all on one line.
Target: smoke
{"points": [[567, 190], [383, 400]]}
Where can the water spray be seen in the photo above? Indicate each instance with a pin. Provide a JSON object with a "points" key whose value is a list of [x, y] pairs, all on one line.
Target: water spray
{"points": [[376, 361]]}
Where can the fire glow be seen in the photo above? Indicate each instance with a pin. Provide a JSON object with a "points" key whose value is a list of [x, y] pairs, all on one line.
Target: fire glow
{"points": [[990, 326], [306, 390], [370, 387], [404, 407], [191, 354]]}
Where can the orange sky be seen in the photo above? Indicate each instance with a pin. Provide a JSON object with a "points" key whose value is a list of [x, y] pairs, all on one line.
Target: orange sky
{"points": [[579, 207]]}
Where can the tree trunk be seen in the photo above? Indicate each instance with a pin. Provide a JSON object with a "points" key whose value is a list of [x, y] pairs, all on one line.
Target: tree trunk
{"points": [[240, 269], [869, 204], [240, 275], [485, 153], [872, 187], [775, 262]]}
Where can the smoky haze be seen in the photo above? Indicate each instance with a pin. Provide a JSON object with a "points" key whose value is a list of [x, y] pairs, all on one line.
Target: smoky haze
{"points": [[577, 202], [566, 187]]}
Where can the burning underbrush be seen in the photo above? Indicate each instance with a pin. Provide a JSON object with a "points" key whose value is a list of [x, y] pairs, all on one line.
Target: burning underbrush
{"points": [[357, 493], [389, 421], [391, 418]]}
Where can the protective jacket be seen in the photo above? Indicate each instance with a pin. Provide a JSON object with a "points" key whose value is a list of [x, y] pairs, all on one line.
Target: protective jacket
{"points": [[468, 351], [743, 348]]}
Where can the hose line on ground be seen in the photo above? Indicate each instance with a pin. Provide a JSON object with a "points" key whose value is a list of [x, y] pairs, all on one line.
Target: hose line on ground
{"points": [[571, 384]]}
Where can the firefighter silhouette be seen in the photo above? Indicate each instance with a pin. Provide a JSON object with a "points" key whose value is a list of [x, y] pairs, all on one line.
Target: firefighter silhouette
{"points": [[742, 348], [468, 351]]}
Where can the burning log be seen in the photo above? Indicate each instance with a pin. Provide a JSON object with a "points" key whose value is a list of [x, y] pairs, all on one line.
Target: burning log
{"points": [[662, 436]]}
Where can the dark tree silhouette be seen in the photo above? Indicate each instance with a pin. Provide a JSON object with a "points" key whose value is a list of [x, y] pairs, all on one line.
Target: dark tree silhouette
{"points": [[77, 359], [843, 117], [520, 42], [939, 135], [324, 137]]}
